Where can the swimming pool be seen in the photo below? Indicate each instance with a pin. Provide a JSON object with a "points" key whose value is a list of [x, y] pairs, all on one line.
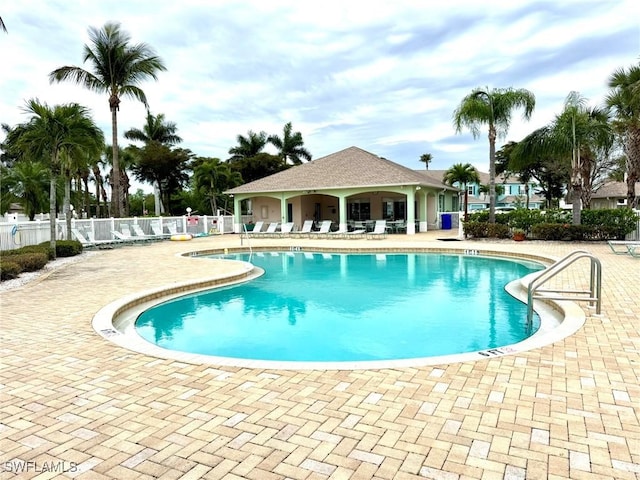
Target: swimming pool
{"points": [[329, 307]]}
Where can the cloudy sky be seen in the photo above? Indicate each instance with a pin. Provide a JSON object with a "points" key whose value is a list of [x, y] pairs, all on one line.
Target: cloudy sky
{"points": [[384, 76]]}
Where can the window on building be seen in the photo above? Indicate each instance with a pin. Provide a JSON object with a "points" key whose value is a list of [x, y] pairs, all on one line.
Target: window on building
{"points": [[393, 208], [359, 209]]}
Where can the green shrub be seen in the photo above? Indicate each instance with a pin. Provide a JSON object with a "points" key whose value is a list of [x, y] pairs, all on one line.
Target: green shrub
{"points": [[68, 248], [30, 262], [613, 223], [475, 229], [485, 229], [483, 216], [551, 231], [65, 248], [498, 230], [525, 219], [42, 248], [9, 269]]}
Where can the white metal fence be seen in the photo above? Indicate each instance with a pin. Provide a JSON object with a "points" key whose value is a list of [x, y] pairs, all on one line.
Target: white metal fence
{"points": [[17, 234]]}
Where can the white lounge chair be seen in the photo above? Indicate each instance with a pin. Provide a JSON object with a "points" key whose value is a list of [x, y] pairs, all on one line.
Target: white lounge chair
{"points": [[325, 228], [106, 243], [139, 233], [286, 229], [306, 229], [173, 228], [623, 247], [379, 230], [257, 228], [89, 241], [157, 231], [128, 238], [270, 231], [359, 233]]}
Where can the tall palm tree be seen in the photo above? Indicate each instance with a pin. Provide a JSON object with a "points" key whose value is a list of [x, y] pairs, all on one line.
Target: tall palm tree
{"points": [[248, 146], [493, 108], [426, 158], [624, 99], [462, 175], [117, 69], [52, 132], [290, 146], [578, 134]]}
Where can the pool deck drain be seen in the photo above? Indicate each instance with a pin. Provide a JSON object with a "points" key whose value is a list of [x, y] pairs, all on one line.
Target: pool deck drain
{"points": [[72, 399]]}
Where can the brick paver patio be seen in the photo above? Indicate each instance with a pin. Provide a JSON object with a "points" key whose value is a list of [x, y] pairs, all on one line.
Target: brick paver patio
{"points": [[72, 400]]}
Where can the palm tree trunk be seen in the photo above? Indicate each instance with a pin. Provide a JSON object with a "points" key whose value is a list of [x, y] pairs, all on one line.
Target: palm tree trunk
{"points": [[492, 174], [632, 149], [115, 194], [86, 199], [67, 203], [52, 205]]}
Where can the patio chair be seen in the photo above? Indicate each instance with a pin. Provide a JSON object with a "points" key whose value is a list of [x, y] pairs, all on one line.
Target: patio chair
{"points": [[139, 233], [270, 231], [81, 238], [340, 233], [110, 243], [306, 229], [286, 229], [157, 231], [127, 237], [379, 230], [256, 228], [634, 249], [623, 247], [173, 228], [325, 228], [358, 233]]}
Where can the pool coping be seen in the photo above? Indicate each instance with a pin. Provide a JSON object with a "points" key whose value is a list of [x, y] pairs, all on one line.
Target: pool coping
{"points": [[116, 321]]}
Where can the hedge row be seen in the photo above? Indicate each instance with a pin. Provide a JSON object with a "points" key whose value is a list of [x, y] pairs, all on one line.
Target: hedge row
{"points": [[34, 257], [606, 224]]}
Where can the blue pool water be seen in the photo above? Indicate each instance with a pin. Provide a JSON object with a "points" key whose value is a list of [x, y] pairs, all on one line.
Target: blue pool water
{"points": [[349, 307]]}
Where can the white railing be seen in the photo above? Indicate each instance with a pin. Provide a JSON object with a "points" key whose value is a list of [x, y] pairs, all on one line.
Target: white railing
{"points": [[23, 232]]}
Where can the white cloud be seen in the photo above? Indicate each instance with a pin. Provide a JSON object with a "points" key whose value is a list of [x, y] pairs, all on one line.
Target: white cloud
{"points": [[381, 75]]}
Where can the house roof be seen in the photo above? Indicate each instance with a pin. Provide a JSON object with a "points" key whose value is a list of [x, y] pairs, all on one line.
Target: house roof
{"points": [[351, 167], [614, 190]]}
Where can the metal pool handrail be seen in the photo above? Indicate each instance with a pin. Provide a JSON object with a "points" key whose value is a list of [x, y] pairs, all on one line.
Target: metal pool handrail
{"points": [[245, 232], [595, 283]]}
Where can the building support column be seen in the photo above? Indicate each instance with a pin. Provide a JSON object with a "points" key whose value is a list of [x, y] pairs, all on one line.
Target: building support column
{"points": [[411, 212], [342, 209]]}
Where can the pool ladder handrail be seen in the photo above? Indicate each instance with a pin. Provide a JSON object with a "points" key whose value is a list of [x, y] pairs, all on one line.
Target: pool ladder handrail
{"points": [[245, 232], [595, 283]]}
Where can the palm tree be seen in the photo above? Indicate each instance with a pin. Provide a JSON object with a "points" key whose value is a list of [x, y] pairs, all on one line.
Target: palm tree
{"points": [[426, 158], [157, 129], [248, 146], [624, 99], [462, 175], [212, 177], [52, 132], [493, 108], [27, 181], [117, 69], [290, 146], [577, 134]]}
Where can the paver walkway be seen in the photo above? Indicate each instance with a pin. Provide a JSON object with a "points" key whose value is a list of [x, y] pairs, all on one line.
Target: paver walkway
{"points": [[74, 401]]}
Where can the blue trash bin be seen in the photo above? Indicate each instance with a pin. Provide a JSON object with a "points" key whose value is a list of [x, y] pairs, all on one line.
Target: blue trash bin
{"points": [[446, 221]]}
